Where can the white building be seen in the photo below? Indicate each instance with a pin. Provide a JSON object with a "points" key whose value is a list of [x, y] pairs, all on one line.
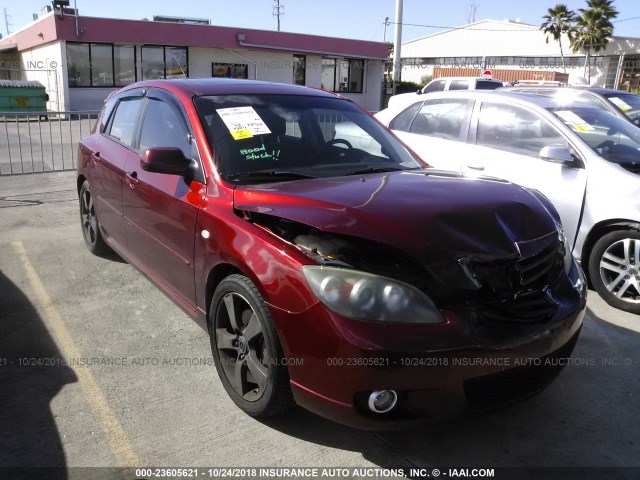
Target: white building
{"points": [[81, 60], [514, 46]]}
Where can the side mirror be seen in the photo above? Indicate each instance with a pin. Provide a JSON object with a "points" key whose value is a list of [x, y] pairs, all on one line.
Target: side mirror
{"points": [[167, 160], [557, 154]]}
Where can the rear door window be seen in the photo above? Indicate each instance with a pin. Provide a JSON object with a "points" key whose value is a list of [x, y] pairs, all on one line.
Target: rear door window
{"points": [[125, 119], [403, 121], [442, 118], [459, 85]]}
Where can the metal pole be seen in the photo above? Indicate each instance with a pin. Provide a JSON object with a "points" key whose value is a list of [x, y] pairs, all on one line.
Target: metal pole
{"points": [[278, 11], [384, 35], [6, 21], [75, 7], [397, 46]]}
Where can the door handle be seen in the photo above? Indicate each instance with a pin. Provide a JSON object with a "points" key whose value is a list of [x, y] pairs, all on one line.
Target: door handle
{"points": [[476, 167], [96, 157], [132, 178]]}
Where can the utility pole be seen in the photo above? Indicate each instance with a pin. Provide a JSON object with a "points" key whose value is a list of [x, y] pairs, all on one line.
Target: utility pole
{"points": [[386, 24], [278, 11], [471, 17], [6, 21], [397, 64]]}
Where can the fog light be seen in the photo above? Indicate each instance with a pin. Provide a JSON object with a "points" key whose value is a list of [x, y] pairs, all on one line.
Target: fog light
{"points": [[382, 401]]}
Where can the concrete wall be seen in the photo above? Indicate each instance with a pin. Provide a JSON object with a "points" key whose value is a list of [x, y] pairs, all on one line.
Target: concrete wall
{"points": [[45, 64], [51, 63]]}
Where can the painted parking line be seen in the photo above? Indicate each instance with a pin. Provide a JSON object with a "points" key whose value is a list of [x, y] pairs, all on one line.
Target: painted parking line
{"points": [[116, 436]]}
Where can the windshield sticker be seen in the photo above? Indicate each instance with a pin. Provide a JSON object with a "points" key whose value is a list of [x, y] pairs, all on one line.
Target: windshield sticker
{"points": [[259, 153], [243, 122], [574, 121], [621, 104]]}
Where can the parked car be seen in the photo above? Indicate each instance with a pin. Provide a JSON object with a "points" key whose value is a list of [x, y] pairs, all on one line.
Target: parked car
{"points": [[364, 287], [622, 104], [444, 84], [584, 159]]}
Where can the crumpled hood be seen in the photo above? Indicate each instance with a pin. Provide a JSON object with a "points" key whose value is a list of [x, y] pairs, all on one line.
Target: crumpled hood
{"points": [[432, 217]]}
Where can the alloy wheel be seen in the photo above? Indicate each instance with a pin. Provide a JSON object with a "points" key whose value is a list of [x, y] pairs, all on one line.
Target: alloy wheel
{"points": [[240, 342], [88, 217], [620, 269]]}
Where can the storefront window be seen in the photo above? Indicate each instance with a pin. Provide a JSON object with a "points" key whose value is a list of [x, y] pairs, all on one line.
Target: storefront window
{"points": [[230, 70], [78, 65], [164, 62], [328, 80], [176, 61], [100, 65], [299, 65], [343, 75], [124, 62], [152, 63]]}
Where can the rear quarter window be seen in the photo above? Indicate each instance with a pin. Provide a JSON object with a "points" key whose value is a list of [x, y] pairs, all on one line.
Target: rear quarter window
{"points": [[484, 85], [435, 86]]}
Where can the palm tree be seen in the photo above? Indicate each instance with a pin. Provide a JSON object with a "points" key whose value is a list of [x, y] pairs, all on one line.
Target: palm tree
{"points": [[593, 29], [558, 21]]}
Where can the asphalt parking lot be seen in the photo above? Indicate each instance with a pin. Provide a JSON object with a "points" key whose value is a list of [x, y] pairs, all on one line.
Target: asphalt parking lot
{"points": [[144, 391]]}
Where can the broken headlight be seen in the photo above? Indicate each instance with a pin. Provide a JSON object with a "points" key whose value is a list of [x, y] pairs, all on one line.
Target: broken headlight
{"points": [[568, 256], [365, 296]]}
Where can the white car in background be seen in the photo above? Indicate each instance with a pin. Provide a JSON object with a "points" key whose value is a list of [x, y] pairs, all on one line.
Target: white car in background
{"points": [[445, 84], [584, 159]]}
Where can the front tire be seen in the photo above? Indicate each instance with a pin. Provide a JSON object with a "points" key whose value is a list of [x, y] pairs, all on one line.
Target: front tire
{"points": [[89, 222], [614, 269], [246, 349]]}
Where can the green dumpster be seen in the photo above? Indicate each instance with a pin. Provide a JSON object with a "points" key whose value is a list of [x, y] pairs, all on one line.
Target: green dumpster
{"points": [[22, 96]]}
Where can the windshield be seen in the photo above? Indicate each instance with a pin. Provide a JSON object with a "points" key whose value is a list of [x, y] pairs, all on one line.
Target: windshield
{"points": [[627, 103], [613, 138], [261, 138]]}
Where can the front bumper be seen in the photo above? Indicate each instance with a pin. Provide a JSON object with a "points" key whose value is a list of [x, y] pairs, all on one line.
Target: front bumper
{"points": [[437, 370]]}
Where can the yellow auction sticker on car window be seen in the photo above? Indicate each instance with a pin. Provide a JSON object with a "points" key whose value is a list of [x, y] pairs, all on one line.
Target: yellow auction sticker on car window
{"points": [[574, 120], [621, 104], [243, 122]]}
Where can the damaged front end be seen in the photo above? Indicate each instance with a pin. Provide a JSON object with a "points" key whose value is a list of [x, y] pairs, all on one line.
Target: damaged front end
{"points": [[513, 287]]}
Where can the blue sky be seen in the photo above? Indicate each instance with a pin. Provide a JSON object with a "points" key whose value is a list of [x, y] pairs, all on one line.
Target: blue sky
{"points": [[338, 18]]}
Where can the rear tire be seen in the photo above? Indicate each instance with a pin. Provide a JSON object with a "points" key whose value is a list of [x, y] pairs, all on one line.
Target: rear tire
{"points": [[614, 269], [91, 233], [246, 349]]}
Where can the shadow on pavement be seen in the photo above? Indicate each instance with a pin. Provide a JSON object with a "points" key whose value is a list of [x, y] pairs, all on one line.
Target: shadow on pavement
{"points": [[30, 377]]}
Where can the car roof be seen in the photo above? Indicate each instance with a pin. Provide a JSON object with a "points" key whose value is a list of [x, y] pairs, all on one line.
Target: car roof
{"points": [[540, 100], [466, 78], [229, 86], [586, 89]]}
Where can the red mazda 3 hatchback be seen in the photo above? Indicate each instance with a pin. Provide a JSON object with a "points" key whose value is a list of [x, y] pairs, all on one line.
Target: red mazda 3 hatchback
{"points": [[340, 275]]}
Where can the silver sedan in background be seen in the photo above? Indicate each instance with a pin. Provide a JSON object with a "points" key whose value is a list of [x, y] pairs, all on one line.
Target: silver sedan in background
{"points": [[584, 159]]}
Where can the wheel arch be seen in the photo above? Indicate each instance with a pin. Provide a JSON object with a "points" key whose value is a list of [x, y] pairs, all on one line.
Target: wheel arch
{"points": [[216, 275], [79, 181]]}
